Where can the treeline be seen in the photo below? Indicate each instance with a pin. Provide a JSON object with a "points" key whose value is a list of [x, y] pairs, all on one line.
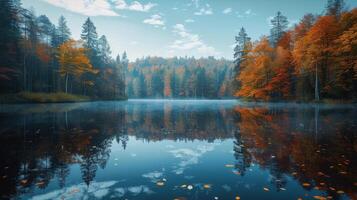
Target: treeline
{"points": [[38, 56], [156, 77], [314, 60]]}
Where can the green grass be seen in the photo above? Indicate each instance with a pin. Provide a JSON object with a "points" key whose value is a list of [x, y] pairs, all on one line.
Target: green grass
{"points": [[31, 97]]}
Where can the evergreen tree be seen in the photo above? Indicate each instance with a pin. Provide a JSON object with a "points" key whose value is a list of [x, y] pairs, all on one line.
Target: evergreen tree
{"points": [[335, 7], [239, 51], [9, 44], [63, 31], [104, 50], [279, 25]]}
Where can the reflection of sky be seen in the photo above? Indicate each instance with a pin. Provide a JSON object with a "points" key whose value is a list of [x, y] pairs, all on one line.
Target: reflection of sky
{"points": [[175, 163]]}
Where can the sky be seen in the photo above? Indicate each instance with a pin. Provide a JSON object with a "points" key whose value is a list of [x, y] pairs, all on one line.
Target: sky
{"points": [[168, 28]]}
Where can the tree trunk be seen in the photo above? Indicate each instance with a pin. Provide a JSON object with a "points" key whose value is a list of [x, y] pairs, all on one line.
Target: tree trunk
{"points": [[66, 83], [317, 97]]}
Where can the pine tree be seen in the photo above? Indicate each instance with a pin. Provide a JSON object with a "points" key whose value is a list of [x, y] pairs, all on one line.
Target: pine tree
{"points": [[279, 25], [335, 7], [64, 33], [104, 51], [9, 43]]}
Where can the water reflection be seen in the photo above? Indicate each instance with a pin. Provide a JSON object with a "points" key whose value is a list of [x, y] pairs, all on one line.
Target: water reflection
{"points": [[308, 150]]}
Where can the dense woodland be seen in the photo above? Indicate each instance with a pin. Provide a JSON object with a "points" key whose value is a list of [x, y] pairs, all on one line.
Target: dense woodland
{"points": [[314, 60], [39, 56], [155, 77]]}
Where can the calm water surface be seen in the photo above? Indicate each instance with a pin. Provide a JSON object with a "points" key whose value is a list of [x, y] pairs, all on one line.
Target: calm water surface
{"points": [[152, 149]]}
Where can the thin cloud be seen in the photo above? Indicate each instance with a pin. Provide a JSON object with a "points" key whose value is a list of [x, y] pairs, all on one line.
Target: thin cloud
{"points": [[155, 20], [189, 41], [207, 10], [227, 11], [134, 6], [84, 7], [189, 20]]}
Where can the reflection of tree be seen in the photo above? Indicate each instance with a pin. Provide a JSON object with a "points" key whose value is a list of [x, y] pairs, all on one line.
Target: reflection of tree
{"points": [[313, 145], [37, 147]]}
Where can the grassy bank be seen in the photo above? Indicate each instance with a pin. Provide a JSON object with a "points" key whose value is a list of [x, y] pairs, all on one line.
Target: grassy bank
{"points": [[60, 97], [30, 97]]}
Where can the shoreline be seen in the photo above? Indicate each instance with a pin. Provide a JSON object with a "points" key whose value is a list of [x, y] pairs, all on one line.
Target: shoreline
{"points": [[49, 98]]}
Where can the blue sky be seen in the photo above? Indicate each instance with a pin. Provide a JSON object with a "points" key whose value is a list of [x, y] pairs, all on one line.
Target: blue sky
{"points": [[169, 28]]}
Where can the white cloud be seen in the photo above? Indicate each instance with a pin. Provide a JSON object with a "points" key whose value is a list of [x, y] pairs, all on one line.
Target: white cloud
{"points": [[190, 41], [189, 20], [85, 7], [227, 11], [155, 20], [207, 10], [134, 6]]}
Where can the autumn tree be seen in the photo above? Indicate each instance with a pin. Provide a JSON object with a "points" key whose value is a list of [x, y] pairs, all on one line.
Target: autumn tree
{"points": [[73, 61]]}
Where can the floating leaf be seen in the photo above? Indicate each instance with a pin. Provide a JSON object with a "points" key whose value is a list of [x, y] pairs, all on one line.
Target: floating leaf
{"points": [[331, 188], [283, 189], [206, 186], [306, 184], [183, 186], [340, 192], [229, 165], [319, 197], [160, 183], [23, 181], [40, 183], [237, 197], [266, 189]]}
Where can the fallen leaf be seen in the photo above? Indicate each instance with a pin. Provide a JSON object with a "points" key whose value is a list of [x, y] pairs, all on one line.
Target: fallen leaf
{"points": [[266, 189], [23, 181], [319, 197], [237, 198], [206, 186], [183, 186], [306, 184], [160, 183], [340, 192]]}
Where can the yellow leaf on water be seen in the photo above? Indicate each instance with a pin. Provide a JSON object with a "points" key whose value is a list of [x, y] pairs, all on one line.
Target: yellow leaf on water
{"points": [[306, 184], [206, 186], [320, 197], [237, 198], [160, 183]]}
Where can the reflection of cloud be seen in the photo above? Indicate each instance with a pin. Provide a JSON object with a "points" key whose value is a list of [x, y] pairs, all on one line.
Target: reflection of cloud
{"points": [[189, 156], [96, 190], [153, 176]]}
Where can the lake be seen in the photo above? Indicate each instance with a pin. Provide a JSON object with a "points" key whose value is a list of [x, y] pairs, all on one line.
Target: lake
{"points": [[183, 149]]}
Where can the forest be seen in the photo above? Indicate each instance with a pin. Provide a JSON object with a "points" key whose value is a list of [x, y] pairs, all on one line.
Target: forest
{"points": [[39, 57], [155, 77], [314, 60]]}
